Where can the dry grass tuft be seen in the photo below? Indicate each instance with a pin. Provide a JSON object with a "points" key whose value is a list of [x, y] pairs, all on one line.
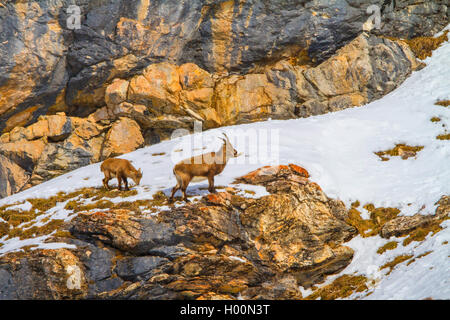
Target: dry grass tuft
{"points": [[35, 231], [423, 46], [443, 103], [137, 206], [378, 217], [341, 287], [355, 204], [4, 229], [443, 136], [397, 260], [419, 234], [418, 257], [388, 246], [402, 150]]}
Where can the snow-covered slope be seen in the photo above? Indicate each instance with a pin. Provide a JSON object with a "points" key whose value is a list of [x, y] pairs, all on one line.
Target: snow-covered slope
{"points": [[338, 151], [336, 148]]}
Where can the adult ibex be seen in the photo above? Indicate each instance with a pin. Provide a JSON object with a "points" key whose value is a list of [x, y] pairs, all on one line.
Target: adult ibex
{"points": [[120, 169], [205, 165]]}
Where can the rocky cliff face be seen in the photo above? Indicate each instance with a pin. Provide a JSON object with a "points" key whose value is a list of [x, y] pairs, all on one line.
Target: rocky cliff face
{"points": [[46, 67]]}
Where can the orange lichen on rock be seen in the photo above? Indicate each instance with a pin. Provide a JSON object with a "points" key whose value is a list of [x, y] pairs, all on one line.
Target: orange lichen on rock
{"points": [[301, 171], [218, 198], [260, 173]]}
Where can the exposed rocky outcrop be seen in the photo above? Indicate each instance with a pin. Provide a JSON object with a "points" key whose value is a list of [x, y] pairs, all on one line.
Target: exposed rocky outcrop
{"points": [[45, 274], [223, 246], [45, 67], [407, 19], [365, 69]]}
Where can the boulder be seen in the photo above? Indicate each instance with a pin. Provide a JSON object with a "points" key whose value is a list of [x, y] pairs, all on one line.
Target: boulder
{"points": [[121, 230], [23, 152], [54, 128], [116, 92], [82, 147], [123, 137], [403, 225], [50, 147], [158, 87], [192, 77], [196, 98], [12, 177], [59, 158]]}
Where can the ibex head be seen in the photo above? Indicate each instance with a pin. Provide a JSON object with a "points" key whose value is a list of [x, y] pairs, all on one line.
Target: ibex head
{"points": [[136, 176], [230, 150]]}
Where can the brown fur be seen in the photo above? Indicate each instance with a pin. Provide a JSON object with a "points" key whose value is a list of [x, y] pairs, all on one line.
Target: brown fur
{"points": [[206, 165], [120, 169]]}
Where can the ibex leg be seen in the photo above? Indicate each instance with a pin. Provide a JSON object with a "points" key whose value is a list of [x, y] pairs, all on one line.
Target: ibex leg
{"points": [[106, 180], [119, 181], [211, 184], [125, 180]]}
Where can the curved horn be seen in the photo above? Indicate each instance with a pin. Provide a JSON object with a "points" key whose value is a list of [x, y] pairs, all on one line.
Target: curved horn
{"points": [[226, 137]]}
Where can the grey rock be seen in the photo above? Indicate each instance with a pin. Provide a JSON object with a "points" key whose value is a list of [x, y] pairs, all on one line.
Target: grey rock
{"points": [[155, 234], [105, 285], [98, 263], [169, 252], [138, 268], [7, 288]]}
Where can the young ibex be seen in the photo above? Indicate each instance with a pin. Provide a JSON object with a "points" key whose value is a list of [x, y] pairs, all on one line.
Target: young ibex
{"points": [[206, 165], [120, 169]]}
